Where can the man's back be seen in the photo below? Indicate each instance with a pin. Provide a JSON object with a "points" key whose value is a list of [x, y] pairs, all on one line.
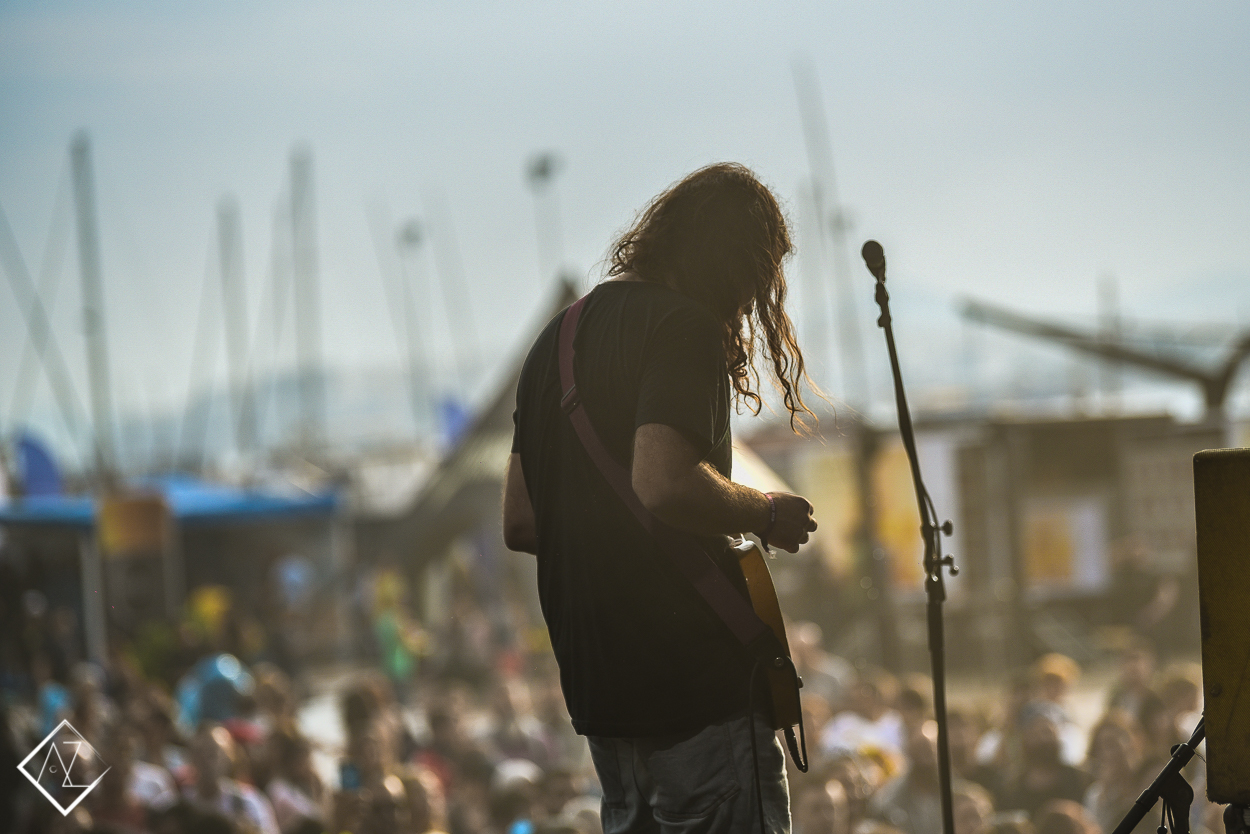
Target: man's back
{"points": [[640, 653]]}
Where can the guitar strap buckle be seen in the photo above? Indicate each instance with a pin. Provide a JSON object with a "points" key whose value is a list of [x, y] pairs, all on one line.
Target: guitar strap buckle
{"points": [[571, 400]]}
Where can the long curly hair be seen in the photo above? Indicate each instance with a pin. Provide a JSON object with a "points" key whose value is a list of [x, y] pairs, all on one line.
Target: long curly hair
{"points": [[719, 237]]}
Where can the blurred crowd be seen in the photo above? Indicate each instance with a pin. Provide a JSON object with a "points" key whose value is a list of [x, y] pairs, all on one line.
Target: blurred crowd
{"points": [[1021, 763], [463, 730]]}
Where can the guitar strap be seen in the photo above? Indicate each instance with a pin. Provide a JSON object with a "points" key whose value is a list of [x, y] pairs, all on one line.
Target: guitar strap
{"points": [[685, 550]]}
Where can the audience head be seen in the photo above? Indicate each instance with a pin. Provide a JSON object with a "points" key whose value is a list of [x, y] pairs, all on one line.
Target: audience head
{"points": [[427, 801], [1009, 824], [822, 808], [971, 806], [1181, 688], [922, 755], [1115, 748], [1053, 675], [872, 694], [1063, 816], [1039, 733], [275, 696], [557, 787], [291, 755], [859, 779], [913, 706], [213, 754], [360, 707], [806, 643], [511, 699], [1137, 664], [962, 733], [584, 813]]}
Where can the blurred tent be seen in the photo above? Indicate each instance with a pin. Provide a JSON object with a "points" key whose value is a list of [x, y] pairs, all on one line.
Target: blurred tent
{"points": [[37, 472], [190, 500], [131, 556], [461, 496]]}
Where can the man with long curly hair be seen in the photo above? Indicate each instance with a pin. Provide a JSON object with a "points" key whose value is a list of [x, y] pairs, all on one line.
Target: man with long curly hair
{"points": [[662, 348]]}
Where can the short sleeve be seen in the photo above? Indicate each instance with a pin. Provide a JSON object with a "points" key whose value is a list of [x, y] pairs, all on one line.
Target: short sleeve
{"points": [[684, 382]]}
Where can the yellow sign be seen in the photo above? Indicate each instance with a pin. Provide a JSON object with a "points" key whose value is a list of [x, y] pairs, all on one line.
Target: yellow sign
{"points": [[898, 519], [133, 525]]}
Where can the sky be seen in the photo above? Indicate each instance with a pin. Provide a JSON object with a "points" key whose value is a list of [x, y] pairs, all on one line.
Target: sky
{"points": [[1019, 153]]}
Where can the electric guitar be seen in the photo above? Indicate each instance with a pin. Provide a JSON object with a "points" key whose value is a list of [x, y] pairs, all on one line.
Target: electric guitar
{"points": [[783, 681]]}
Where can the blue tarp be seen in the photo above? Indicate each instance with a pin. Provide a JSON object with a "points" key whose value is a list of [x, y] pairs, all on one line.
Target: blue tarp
{"points": [[36, 467], [193, 502]]}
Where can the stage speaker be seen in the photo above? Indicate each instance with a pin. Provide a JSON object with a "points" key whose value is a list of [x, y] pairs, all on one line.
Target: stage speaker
{"points": [[1222, 502]]}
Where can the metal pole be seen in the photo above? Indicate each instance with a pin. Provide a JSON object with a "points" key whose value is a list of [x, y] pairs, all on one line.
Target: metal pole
{"points": [[831, 221], [173, 575], [234, 308], [307, 297], [93, 303], [408, 244], [817, 334], [91, 578], [341, 557], [541, 173], [456, 304]]}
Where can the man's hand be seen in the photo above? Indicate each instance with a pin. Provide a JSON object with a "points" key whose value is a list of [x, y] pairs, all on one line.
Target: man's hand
{"points": [[794, 522]]}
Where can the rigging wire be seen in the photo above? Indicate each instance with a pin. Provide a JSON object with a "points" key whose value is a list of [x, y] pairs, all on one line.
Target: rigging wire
{"points": [[195, 420], [41, 335], [50, 273]]}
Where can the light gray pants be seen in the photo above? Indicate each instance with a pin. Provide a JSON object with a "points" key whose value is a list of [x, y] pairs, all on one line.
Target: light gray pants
{"points": [[694, 783]]}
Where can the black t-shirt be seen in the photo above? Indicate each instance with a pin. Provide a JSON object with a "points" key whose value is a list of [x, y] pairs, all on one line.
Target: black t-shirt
{"points": [[640, 652]]}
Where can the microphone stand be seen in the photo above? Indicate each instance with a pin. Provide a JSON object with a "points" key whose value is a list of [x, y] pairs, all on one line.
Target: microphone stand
{"points": [[931, 532], [1170, 786]]}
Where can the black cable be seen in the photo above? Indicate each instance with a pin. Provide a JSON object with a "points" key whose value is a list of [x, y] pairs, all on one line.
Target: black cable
{"points": [[800, 758], [755, 756], [798, 747]]}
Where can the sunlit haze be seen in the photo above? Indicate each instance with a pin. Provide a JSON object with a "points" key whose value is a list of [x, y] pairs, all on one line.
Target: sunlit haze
{"points": [[1016, 153]]}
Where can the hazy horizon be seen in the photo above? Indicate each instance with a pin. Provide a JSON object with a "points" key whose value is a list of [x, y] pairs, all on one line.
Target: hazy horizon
{"points": [[1010, 153]]}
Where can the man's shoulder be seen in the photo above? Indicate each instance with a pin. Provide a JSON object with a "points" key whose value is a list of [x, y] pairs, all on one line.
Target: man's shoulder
{"points": [[542, 351], [656, 302]]}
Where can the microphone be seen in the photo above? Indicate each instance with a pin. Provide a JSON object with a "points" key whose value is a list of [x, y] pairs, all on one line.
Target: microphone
{"points": [[874, 258]]}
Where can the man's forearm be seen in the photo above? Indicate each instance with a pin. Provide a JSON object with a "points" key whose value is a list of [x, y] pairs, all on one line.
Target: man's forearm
{"points": [[704, 501], [690, 494]]}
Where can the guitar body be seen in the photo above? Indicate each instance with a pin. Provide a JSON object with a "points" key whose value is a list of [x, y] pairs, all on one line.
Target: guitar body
{"points": [[783, 682]]}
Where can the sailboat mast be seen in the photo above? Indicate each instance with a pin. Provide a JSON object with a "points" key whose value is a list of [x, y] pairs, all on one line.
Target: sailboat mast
{"points": [[307, 298], [234, 307], [832, 223], [93, 304]]}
